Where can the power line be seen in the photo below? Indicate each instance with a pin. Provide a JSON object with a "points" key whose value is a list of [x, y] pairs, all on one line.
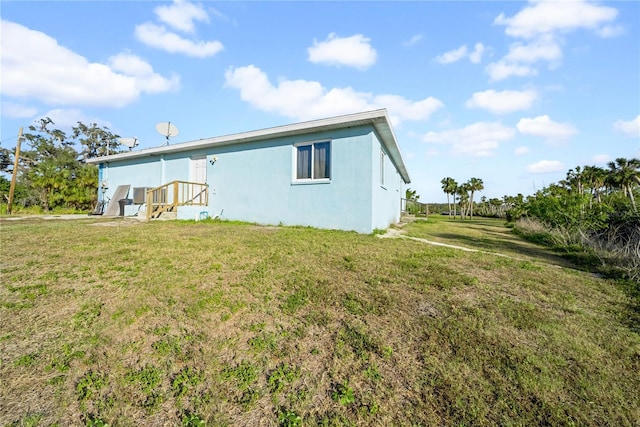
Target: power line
{"points": [[7, 139]]}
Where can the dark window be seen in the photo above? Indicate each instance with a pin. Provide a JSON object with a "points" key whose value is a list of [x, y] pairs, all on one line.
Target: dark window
{"points": [[313, 161]]}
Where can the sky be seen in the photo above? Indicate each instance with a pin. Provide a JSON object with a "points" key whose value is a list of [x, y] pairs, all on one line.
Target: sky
{"points": [[512, 92]]}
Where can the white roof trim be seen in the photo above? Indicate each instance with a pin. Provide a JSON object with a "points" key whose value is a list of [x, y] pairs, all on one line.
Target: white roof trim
{"points": [[378, 118]]}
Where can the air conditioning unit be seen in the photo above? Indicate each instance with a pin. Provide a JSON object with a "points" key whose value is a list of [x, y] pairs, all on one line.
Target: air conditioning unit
{"points": [[140, 195]]}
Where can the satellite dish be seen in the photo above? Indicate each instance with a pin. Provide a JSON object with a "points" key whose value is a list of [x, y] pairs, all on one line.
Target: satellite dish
{"points": [[167, 129], [129, 142]]}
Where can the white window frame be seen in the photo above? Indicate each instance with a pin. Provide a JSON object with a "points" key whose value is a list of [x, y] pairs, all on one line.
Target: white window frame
{"points": [[311, 180], [383, 156]]}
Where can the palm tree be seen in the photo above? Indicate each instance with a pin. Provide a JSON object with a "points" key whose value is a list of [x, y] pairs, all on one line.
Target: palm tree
{"points": [[411, 194], [463, 198], [475, 184], [574, 180], [449, 186], [625, 174], [594, 178]]}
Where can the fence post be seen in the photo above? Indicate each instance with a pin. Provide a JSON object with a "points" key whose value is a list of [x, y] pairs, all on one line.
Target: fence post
{"points": [[149, 204], [176, 200]]}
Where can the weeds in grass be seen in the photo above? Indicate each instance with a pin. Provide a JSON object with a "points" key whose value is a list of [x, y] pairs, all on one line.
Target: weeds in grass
{"points": [[185, 380], [282, 376], [167, 346], [244, 374], [266, 341], [30, 420], [288, 418], [96, 422], [343, 394], [89, 385], [87, 315], [192, 420], [372, 372], [26, 360], [359, 340], [146, 382], [64, 356], [244, 323], [294, 301]]}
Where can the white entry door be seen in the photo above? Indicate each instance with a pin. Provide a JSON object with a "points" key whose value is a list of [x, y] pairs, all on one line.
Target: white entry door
{"points": [[198, 173]]}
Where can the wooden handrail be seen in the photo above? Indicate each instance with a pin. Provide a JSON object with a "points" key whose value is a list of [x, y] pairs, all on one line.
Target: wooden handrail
{"points": [[161, 199]]}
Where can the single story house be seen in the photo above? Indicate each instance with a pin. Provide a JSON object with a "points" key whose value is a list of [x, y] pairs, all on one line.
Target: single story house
{"points": [[342, 172]]}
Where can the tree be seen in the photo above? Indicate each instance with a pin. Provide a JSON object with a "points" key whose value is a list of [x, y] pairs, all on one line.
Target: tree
{"points": [[594, 178], [574, 180], [6, 160], [463, 198], [625, 174], [96, 141], [53, 174], [474, 184], [411, 195], [449, 186]]}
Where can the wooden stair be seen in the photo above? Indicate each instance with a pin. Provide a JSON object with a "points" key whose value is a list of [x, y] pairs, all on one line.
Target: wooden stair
{"points": [[165, 199]]}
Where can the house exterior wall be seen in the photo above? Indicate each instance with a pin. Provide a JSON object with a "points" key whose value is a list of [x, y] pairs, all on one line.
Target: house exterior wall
{"points": [[255, 182], [386, 193]]}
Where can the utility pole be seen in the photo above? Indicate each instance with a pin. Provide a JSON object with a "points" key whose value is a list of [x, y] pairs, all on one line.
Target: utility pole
{"points": [[14, 175]]}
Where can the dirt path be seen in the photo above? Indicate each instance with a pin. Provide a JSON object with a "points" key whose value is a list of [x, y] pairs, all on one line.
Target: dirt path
{"points": [[394, 233]]}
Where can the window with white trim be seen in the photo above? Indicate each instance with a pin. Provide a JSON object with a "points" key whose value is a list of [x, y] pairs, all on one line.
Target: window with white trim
{"points": [[313, 161], [382, 157]]}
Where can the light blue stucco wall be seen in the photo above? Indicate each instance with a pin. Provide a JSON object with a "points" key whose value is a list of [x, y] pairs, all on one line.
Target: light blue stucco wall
{"points": [[386, 194], [255, 182]]}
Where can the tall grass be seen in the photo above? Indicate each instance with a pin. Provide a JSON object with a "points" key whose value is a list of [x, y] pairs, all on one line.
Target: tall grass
{"points": [[615, 247]]}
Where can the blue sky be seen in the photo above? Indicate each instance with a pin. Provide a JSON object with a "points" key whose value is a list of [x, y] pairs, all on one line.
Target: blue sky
{"points": [[514, 93]]}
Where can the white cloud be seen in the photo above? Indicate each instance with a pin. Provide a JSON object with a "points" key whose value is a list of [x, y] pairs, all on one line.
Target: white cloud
{"points": [[146, 80], [601, 158], [540, 49], [130, 65], [610, 31], [542, 24], [522, 57], [413, 40], [452, 56], [354, 51], [462, 52], [157, 36], [546, 166], [305, 100], [17, 111], [181, 15], [503, 102], [630, 128], [522, 150], [501, 70], [476, 55], [544, 17], [34, 66], [480, 139], [545, 127]]}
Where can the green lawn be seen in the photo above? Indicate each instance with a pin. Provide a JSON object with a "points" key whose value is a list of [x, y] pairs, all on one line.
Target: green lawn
{"points": [[176, 322]]}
